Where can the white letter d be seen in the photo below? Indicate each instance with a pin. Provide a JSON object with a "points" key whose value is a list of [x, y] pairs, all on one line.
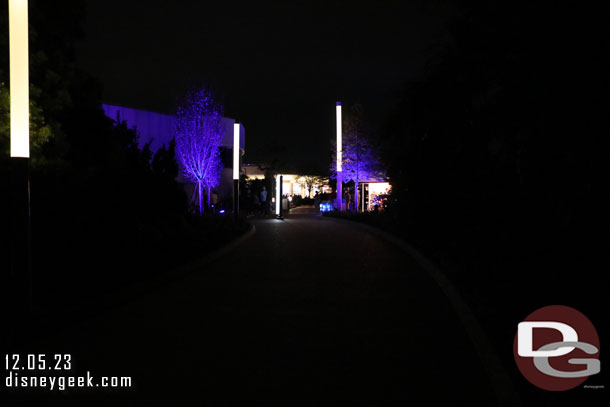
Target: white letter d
{"points": [[525, 338]]}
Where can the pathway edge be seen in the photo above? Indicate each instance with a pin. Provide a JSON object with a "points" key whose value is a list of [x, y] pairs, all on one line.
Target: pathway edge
{"points": [[499, 377]]}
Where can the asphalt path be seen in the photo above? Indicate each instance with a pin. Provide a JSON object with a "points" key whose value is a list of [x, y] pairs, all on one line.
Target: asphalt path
{"points": [[308, 311]]}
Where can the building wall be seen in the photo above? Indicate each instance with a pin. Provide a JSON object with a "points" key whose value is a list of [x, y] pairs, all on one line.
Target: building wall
{"points": [[149, 125], [160, 128]]}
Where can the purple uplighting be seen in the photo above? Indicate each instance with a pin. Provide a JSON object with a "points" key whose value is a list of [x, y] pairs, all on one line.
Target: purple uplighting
{"points": [[199, 132], [360, 162]]}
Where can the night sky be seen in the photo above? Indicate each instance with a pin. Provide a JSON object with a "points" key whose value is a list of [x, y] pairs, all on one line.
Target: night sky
{"points": [[278, 67]]}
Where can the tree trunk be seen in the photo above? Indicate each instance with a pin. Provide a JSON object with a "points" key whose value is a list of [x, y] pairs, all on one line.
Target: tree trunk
{"points": [[200, 186]]}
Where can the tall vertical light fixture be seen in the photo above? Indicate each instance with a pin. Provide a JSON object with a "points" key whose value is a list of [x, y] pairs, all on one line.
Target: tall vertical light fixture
{"points": [[20, 274], [278, 196], [279, 183], [339, 159], [19, 78], [282, 197], [236, 154]]}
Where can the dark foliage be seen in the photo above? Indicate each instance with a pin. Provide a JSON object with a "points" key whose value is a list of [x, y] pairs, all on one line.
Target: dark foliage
{"points": [[497, 150], [495, 161], [104, 213]]}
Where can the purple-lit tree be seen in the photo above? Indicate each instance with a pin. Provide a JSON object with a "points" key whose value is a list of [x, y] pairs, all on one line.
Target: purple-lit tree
{"points": [[361, 161], [360, 158], [198, 136]]}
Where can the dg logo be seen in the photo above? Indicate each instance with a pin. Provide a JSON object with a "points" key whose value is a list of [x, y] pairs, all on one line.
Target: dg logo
{"points": [[556, 348]]}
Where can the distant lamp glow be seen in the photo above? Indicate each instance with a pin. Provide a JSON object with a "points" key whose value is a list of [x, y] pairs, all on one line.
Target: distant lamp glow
{"points": [[236, 151], [19, 78], [278, 199]]}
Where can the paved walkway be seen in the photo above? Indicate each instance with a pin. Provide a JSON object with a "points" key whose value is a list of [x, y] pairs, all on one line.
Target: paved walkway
{"points": [[309, 311]]}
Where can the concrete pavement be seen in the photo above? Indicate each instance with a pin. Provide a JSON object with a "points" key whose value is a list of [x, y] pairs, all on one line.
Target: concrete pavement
{"points": [[306, 312]]}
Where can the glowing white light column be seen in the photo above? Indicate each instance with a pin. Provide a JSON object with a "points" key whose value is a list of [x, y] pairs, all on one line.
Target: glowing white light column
{"points": [[19, 78], [339, 159], [236, 151], [236, 171], [278, 198], [21, 261]]}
